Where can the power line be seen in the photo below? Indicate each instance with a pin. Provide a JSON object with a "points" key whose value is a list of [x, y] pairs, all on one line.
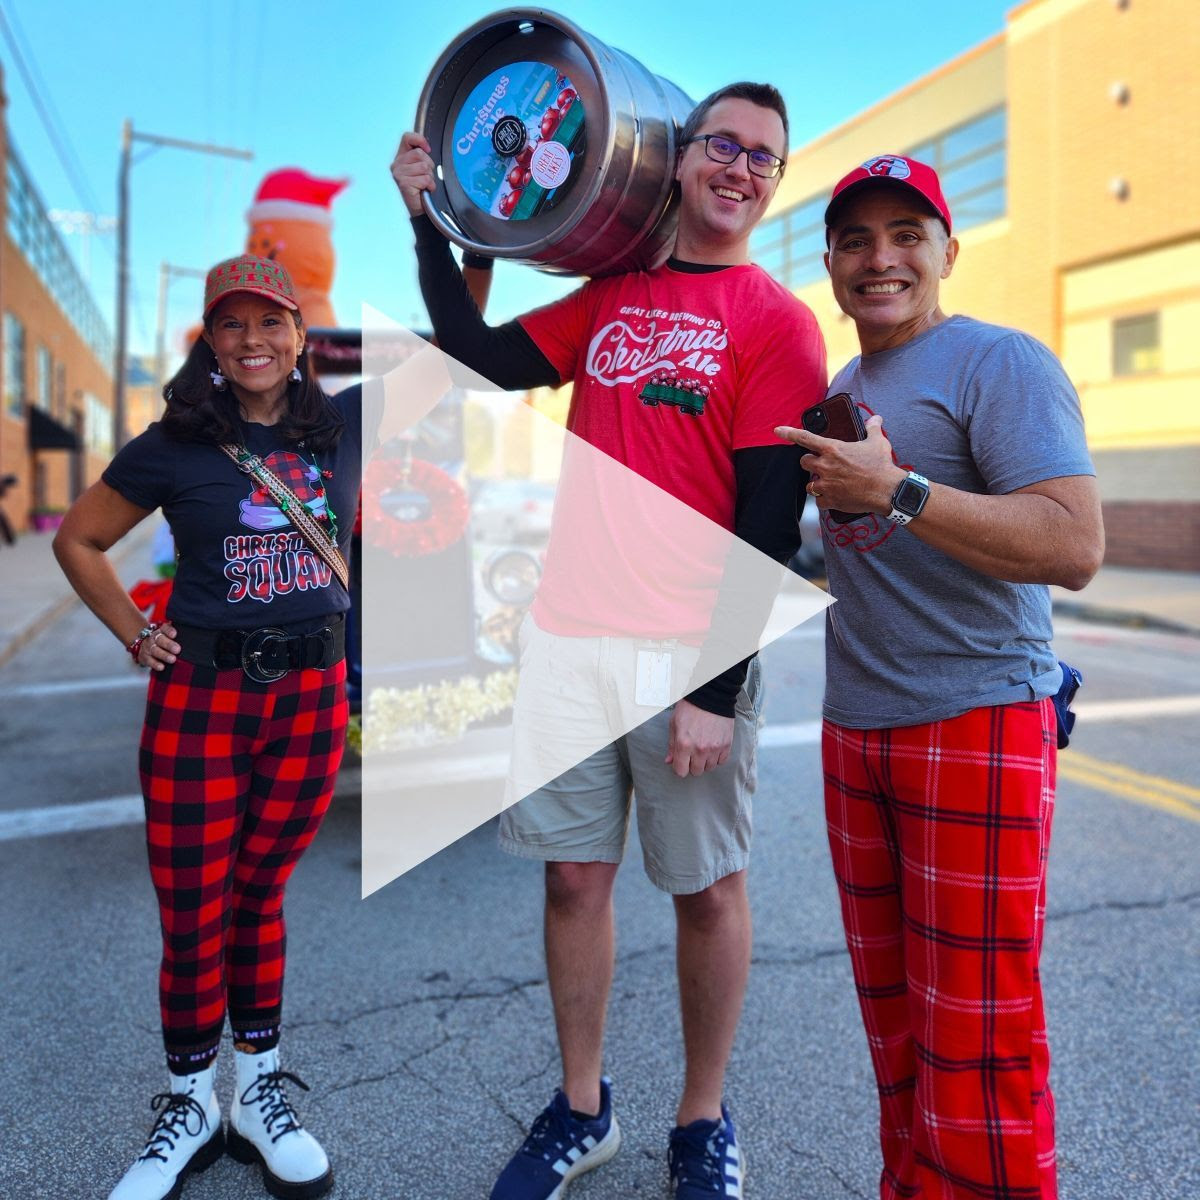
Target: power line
{"points": [[50, 119]]}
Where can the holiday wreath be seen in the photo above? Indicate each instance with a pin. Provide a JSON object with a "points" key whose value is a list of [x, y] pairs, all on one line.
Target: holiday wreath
{"points": [[445, 523]]}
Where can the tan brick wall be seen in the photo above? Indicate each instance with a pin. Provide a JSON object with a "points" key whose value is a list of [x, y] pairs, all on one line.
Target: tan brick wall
{"points": [[1070, 138], [1069, 256], [23, 294]]}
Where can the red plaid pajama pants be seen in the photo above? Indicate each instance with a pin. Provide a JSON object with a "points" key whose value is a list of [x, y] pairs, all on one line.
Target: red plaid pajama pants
{"points": [[236, 776], [939, 835]]}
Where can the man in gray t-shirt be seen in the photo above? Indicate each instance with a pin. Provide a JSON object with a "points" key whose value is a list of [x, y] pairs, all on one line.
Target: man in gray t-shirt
{"points": [[975, 491]]}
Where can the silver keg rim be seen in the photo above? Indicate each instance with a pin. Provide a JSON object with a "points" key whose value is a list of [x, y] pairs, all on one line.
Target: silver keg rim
{"points": [[502, 21]]}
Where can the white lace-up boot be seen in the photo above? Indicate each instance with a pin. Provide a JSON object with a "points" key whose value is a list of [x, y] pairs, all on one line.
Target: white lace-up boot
{"points": [[187, 1138], [264, 1128]]}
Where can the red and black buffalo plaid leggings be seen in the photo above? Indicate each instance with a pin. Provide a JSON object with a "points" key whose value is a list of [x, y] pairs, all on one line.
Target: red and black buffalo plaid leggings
{"points": [[237, 776], [939, 835]]}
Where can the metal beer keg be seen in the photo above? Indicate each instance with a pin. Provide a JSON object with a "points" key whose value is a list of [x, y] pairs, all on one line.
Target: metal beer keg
{"points": [[551, 148]]}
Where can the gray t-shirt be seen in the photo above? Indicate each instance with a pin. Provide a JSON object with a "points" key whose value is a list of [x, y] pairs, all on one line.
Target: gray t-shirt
{"points": [[916, 636]]}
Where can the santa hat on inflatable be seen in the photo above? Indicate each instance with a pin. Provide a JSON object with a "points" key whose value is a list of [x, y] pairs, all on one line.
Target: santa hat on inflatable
{"points": [[291, 194]]}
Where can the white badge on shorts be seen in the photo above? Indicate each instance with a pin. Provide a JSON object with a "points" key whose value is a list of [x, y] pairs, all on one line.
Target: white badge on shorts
{"points": [[653, 685]]}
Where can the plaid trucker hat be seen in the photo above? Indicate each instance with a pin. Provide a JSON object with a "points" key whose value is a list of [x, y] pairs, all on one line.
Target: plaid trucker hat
{"points": [[247, 273]]}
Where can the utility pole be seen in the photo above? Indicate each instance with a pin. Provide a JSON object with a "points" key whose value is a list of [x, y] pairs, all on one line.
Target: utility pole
{"points": [[128, 136]]}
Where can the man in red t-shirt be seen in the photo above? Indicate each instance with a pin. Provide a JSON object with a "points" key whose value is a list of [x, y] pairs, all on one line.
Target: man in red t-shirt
{"points": [[680, 374]]}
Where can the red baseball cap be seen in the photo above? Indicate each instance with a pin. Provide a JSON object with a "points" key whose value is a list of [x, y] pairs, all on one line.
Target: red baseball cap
{"points": [[248, 273], [893, 168]]}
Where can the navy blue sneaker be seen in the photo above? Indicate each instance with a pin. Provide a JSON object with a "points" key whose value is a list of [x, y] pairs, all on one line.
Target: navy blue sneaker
{"points": [[704, 1160], [559, 1148]]}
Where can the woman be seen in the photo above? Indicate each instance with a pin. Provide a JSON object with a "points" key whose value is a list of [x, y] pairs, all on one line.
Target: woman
{"points": [[246, 713]]}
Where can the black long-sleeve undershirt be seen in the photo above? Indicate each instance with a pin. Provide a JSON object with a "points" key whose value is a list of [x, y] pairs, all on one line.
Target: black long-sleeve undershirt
{"points": [[504, 354], [770, 482]]}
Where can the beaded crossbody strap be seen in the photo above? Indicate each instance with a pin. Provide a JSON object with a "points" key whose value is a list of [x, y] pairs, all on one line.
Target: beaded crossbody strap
{"points": [[292, 508]]}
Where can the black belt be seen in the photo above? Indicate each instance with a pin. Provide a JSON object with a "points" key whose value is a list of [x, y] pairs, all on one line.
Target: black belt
{"points": [[264, 654]]}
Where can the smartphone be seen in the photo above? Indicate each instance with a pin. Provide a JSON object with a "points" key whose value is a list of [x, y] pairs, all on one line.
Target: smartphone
{"points": [[837, 417]]}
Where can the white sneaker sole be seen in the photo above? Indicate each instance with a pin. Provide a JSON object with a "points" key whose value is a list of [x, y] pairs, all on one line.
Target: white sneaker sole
{"points": [[597, 1156]]}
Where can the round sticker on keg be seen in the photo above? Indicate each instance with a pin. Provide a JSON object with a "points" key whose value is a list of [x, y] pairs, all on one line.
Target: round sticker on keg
{"points": [[516, 138], [509, 136], [550, 164]]}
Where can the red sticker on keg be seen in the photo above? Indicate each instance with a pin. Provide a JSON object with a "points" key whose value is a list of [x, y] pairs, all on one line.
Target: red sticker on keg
{"points": [[507, 177]]}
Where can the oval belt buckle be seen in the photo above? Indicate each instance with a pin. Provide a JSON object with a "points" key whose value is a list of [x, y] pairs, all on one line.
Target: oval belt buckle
{"points": [[252, 652]]}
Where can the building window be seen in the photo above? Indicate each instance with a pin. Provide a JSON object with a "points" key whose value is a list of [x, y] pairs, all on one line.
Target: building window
{"points": [[60, 391], [971, 161], [32, 233], [791, 246], [43, 395], [1136, 349], [98, 425], [14, 366]]}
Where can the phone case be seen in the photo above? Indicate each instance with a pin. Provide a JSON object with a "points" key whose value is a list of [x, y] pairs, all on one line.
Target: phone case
{"points": [[836, 418]]}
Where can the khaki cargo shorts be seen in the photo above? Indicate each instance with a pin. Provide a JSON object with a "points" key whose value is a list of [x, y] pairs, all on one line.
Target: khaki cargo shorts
{"points": [[694, 831]]}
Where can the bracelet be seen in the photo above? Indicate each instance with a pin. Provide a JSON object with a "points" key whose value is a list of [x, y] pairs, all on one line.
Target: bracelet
{"points": [[135, 647], [480, 262]]}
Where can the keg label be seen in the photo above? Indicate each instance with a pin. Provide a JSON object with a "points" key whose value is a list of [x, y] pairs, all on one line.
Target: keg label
{"points": [[509, 136], [516, 139], [550, 164]]}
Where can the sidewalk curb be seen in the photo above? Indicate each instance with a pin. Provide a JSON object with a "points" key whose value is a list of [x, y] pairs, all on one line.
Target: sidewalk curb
{"points": [[349, 781], [41, 621], [1126, 618]]}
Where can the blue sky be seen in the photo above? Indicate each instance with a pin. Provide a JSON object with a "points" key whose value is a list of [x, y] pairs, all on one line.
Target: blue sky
{"points": [[331, 88]]}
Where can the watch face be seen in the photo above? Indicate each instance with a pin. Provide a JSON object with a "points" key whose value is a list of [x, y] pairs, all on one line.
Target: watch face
{"points": [[910, 497]]}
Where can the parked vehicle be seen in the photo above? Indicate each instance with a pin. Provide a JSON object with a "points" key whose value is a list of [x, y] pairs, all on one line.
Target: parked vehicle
{"points": [[512, 510], [481, 597]]}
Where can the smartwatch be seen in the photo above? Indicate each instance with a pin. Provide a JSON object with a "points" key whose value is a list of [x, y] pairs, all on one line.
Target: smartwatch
{"points": [[909, 498]]}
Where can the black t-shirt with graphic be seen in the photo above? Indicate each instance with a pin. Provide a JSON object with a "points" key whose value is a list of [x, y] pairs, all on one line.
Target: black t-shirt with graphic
{"points": [[242, 563]]}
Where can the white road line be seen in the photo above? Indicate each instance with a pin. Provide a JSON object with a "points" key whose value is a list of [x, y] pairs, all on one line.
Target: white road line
{"points": [[71, 818], [128, 810], [1124, 710], [75, 686], [803, 733], [1099, 634]]}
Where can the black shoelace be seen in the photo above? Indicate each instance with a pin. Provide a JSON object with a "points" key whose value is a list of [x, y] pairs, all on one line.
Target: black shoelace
{"points": [[173, 1122], [701, 1153], [267, 1092]]}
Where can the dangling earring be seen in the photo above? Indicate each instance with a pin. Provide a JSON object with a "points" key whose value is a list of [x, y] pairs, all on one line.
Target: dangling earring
{"points": [[295, 376], [219, 381]]}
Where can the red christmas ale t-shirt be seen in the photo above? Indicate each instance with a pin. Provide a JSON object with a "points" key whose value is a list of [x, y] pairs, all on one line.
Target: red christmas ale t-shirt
{"points": [[673, 371]]}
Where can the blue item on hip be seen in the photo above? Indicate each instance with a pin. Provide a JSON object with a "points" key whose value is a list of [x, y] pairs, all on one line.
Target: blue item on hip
{"points": [[1072, 682]]}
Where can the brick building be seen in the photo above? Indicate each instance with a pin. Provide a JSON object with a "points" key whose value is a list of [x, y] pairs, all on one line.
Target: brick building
{"points": [[55, 358], [1067, 148]]}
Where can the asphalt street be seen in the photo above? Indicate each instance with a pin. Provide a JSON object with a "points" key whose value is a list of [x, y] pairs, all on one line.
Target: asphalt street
{"points": [[421, 1018]]}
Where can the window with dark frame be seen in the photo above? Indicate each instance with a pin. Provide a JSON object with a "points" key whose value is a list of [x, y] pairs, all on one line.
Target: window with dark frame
{"points": [[14, 366], [1135, 345], [971, 160], [43, 394], [31, 231]]}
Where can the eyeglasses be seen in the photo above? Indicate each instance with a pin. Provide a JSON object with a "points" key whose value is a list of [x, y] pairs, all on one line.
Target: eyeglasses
{"points": [[722, 150]]}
